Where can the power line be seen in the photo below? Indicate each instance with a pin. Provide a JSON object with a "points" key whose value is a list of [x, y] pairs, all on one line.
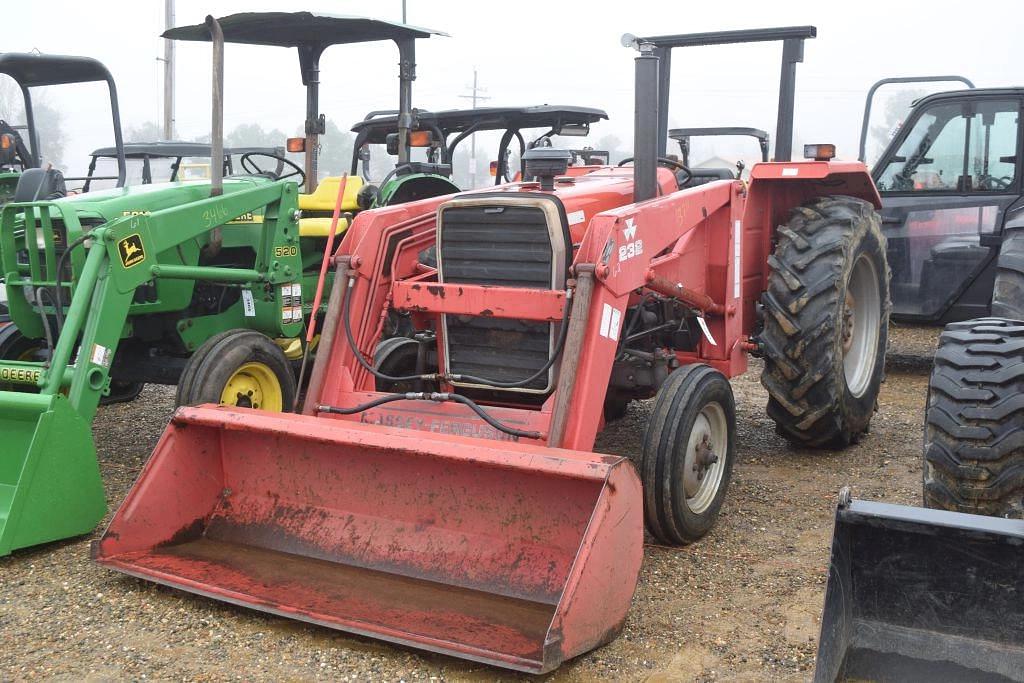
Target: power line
{"points": [[475, 96]]}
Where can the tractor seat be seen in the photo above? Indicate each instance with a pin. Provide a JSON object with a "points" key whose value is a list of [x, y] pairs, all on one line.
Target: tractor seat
{"points": [[702, 176], [323, 198], [321, 227], [318, 206], [39, 184]]}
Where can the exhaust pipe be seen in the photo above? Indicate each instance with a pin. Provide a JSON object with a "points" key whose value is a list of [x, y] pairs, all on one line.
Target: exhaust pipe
{"points": [[645, 125], [217, 127]]}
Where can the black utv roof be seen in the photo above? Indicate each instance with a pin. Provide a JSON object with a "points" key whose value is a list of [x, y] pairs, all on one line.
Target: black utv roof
{"points": [[171, 149], [375, 130], [32, 69], [971, 93], [297, 29]]}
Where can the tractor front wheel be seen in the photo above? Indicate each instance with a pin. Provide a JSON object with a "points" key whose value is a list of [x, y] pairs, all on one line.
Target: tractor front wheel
{"points": [[974, 427], [687, 454], [826, 317], [240, 368]]}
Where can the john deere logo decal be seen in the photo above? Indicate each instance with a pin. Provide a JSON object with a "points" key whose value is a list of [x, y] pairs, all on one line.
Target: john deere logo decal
{"points": [[131, 251]]}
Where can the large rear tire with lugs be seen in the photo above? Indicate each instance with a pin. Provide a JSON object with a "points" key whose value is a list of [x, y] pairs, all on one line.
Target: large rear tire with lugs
{"points": [[826, 316], [974, 420]]}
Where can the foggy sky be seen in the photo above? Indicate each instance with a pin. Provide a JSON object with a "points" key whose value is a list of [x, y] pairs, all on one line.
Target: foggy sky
{"points": [[526, 52]]}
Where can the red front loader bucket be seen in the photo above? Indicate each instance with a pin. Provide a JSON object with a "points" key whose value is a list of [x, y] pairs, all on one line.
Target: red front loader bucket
{"points": [[516, 555]]}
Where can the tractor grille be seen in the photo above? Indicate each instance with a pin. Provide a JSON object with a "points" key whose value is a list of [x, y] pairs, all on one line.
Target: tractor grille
{"points": [[509, 246], [496, 245]]}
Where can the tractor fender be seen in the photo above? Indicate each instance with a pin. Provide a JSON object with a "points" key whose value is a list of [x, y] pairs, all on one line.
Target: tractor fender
{"points": [[813, 179]]}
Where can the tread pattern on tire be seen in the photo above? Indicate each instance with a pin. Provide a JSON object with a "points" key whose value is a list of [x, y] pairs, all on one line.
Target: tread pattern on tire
{"points": [[800, 319], [206, 358], [1008, 291], [974, 420]]}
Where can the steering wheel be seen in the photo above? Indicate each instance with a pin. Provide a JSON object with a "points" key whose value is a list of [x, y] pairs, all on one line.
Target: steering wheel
{"points": [[668, 163], [252, 168], [993, 183]]}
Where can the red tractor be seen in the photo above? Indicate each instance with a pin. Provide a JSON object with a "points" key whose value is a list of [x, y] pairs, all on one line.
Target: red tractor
{"points": [[440, 489]]}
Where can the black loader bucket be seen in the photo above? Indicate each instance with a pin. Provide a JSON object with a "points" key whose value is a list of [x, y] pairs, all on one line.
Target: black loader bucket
{"points": [[922, 595]]}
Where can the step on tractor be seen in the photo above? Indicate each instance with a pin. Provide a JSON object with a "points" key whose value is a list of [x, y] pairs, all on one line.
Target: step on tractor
{"points": [[456, 504], [203, 284], [934, 593], [440, 133], [952, 207]]}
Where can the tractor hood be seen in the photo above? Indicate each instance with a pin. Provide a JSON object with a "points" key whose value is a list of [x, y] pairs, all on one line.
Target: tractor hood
{"points": [[124, 201]]}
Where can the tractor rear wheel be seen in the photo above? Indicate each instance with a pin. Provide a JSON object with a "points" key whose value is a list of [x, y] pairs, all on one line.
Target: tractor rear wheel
{"points": [[687, 456], [242, 368], [826, 316], [974, 422], [1008, 292]]}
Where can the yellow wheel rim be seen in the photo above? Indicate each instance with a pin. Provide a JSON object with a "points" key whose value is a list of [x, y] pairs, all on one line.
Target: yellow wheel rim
{"points": [[254, 385]]}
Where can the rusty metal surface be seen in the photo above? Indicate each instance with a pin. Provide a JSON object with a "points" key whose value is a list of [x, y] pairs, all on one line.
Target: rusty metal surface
{"points": [[479, 300], [500, 554]]}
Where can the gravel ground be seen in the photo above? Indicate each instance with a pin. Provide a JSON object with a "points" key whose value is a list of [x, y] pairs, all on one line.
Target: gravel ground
{"points": [[743, 604]]}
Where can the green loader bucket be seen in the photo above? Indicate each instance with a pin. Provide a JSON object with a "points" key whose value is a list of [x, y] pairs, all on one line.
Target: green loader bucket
{"points": [[50, 486]]}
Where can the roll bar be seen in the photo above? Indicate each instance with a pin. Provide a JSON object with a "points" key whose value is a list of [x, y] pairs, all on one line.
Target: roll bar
{"points": [[32, 70], [653, 76]]}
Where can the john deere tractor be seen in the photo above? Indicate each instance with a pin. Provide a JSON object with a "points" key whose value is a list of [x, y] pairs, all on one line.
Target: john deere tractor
{"points": [[203, 283]]}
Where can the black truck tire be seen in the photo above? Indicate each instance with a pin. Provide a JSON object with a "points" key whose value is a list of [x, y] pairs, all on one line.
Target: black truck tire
{"points": [[974, 420], [1008, 291], [826, 316], [688, 451], [243, 357]]}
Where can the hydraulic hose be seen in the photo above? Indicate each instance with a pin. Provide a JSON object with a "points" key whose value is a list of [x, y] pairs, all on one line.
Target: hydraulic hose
{"points": [[46, 321], [59, 290], [559, 346], [438, 397]]}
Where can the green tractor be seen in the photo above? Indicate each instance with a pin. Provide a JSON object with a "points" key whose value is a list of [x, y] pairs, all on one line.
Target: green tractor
{"points": [[203, 284]]}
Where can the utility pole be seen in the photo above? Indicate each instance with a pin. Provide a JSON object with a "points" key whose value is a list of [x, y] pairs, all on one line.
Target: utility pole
{"points": [[475, 96], [168, 61], [403, 13]]}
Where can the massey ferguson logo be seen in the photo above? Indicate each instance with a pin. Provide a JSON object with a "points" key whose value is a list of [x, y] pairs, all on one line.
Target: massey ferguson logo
{"points": [[630, 231], [632, 247]]}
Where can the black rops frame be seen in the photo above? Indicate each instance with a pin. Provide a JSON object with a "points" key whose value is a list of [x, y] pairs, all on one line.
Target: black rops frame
{"points": [[861, 153], [653, 76], [32, 70], [683, 135]]}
